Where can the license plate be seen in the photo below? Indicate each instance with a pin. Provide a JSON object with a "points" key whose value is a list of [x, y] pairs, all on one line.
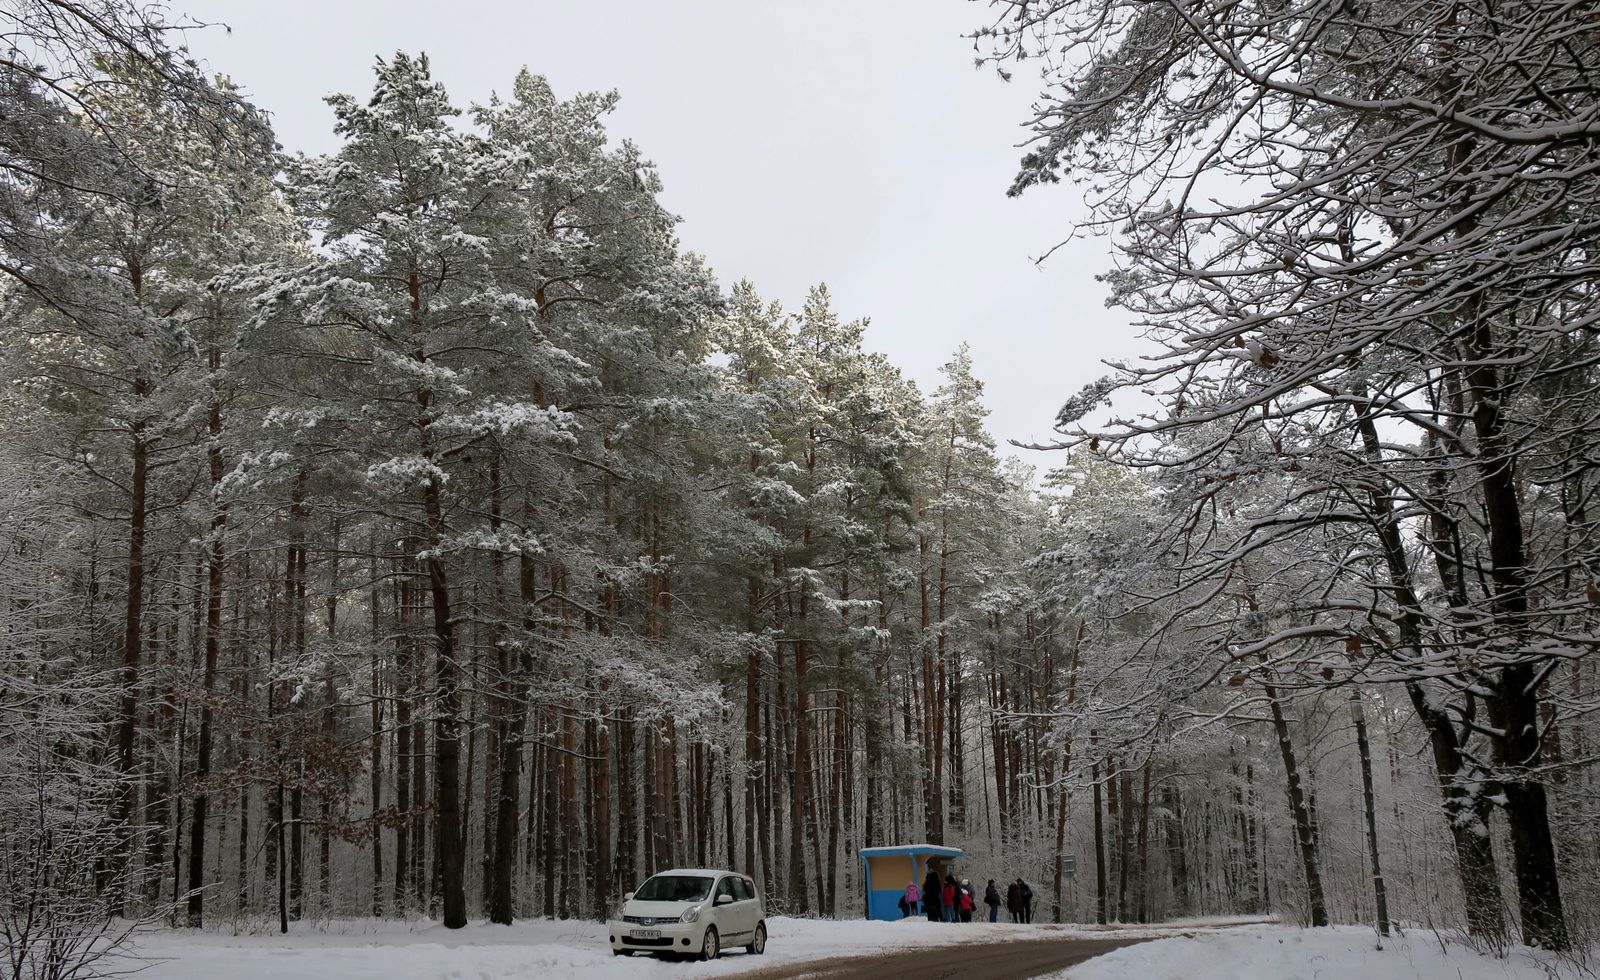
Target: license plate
{"points": [[645, 934]]}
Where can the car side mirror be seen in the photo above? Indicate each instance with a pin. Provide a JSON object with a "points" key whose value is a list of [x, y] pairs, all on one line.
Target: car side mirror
{"points": [[627, 896], [724, 899]]}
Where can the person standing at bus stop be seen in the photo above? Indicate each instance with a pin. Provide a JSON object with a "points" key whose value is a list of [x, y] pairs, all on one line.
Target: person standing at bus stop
{"points": [[991, 898], [930, 895], [1026, 895]]}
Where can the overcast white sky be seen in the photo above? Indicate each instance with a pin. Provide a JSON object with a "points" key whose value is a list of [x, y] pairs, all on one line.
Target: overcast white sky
{"points": [[850, 142]]}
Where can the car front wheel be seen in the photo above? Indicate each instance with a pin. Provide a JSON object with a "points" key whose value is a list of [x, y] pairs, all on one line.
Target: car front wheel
{"points": [[712, 944], [758, 944]]}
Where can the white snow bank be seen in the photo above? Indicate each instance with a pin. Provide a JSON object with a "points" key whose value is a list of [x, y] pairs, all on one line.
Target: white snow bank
{"points": [[1283, 953], [368, 949]]}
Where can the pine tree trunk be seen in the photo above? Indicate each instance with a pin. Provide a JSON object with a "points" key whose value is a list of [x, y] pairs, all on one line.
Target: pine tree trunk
{"points": [[375, 785], [697, 795], [448, 852], [158, 786], [283, 880], [674, 836], [727, 809], [549, 773], [495, 711], [1124, 831], [132, 654], [533, 845], [627, 864], [242, 896], [1177, 850], [766, 789], [571, 859], [295, 592], [835, 801], [940, 709], [932, 747], [242, 755], [422, 870], [1144, 847], [404, 870], [785, 874], [797, 788], [879, 702], [297, 846], [1099, 842], [600, 826], [1066, 770], [649, 752], [507, 805], [591, 856], [1259, 900], [278, 857], [208, 676], [330, 732], [1002, 765], [752, 724], [1358, 715]]}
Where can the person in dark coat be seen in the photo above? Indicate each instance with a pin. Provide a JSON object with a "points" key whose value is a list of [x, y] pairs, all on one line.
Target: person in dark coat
{"points": [[1014, 901], [991, 898], [1026, 895], [930, 895]]}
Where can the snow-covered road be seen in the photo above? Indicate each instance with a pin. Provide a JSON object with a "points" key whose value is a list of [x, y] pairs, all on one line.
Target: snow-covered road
{"points": [[1194, 949], [374, 950]]}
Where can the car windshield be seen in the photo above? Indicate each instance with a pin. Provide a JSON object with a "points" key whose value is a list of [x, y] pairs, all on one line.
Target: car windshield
{"points": [[674, 888]]}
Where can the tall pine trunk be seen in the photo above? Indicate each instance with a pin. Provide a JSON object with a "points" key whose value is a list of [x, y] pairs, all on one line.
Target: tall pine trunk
{"points": [[375, 784], [208, 676], [132, 654], [449, 854], [1358, 715], [1066, 770], [752, 723], [1099, 841]]}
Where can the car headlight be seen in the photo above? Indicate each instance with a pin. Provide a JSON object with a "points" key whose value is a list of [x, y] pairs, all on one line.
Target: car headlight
{"points": [[690, 915]]}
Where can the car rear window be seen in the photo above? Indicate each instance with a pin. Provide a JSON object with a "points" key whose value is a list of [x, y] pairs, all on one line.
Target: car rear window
{"points": [[674, 888]]}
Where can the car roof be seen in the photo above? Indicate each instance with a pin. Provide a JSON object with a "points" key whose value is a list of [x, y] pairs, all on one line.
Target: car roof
{"points": [[708, 872]]}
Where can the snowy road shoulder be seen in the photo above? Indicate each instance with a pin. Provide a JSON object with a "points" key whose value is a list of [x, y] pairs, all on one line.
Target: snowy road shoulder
{"points": [[1284, 953]]}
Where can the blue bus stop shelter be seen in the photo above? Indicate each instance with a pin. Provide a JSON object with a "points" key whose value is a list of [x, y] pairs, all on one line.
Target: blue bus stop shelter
{"points": [[889, 869]]}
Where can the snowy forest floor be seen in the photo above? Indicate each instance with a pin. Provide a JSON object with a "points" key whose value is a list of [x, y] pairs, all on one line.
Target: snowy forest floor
{"points": [[1283, 953], [1196, 948]]}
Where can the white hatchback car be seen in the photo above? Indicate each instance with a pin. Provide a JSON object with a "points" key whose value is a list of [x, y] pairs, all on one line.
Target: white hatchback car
{"points": [[690, 910]]}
